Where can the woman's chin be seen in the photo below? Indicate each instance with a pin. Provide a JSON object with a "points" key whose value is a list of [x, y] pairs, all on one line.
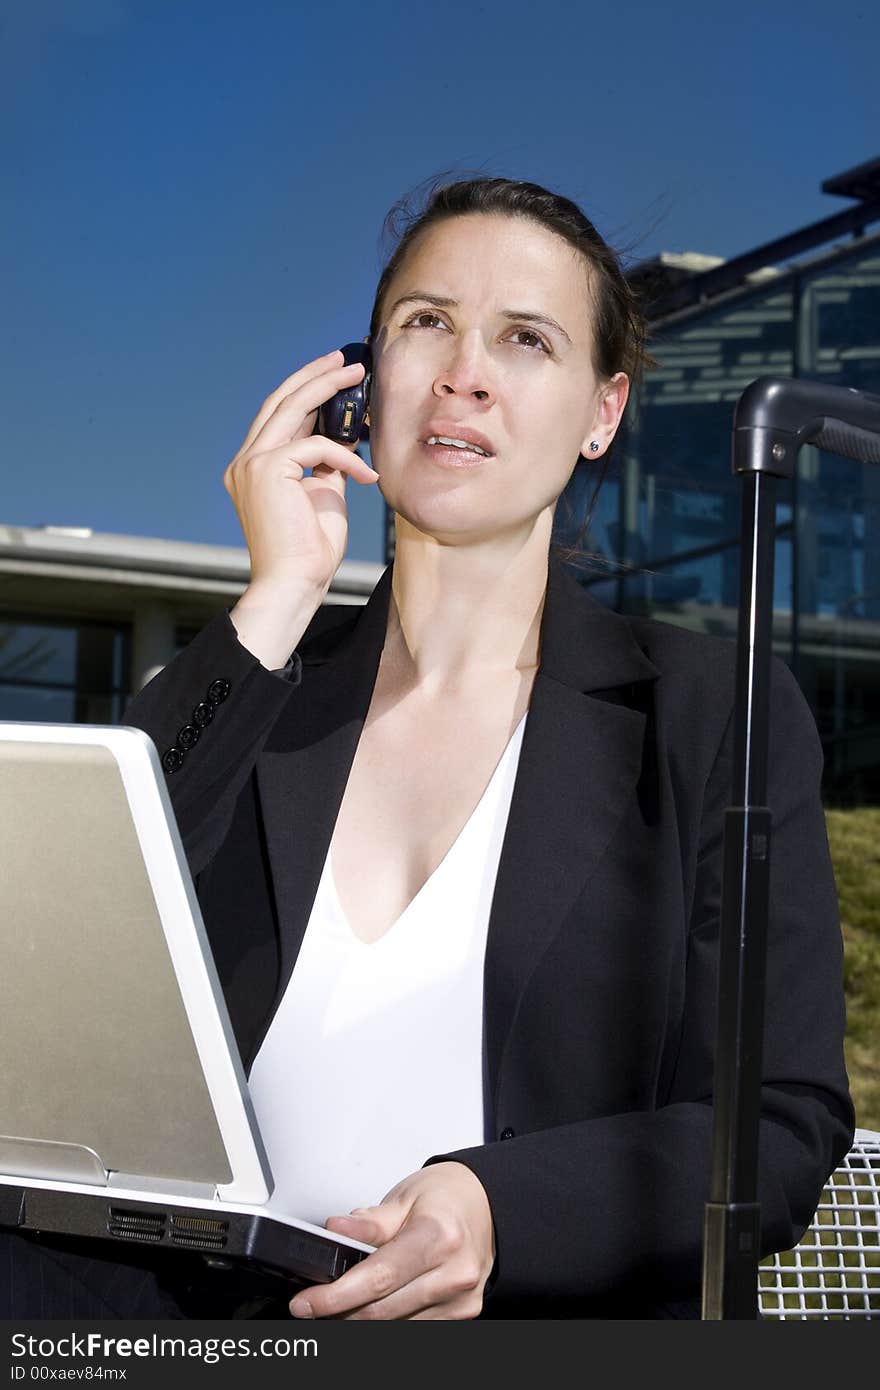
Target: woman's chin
{"points": [[436, 515], [429, 526]]}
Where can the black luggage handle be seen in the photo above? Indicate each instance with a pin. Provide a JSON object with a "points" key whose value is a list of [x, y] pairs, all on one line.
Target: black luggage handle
{"points": [[773, 418]]}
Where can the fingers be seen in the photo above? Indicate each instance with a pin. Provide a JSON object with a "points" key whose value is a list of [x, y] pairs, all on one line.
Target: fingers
{"points": [[438, 1296], [291, 461], [303, 374], [453, 1290], [283, 415], [290, 383], [428, 1263], [327, 454], [372, 1225], [404, 1258]]}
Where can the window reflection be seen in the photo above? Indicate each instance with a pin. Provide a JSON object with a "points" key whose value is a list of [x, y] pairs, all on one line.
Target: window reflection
{"points": [[62, 673], [667, 525], [37, 653]]}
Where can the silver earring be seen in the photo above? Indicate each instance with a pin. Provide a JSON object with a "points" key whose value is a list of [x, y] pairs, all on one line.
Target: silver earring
{"points": [[594, 447]]}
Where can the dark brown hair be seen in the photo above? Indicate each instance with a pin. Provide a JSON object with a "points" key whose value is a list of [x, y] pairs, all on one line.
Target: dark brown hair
{"points": [[619, 329]]}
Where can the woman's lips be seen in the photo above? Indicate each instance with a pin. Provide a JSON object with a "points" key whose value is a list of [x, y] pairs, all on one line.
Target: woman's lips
{"points": [[449, 456]]}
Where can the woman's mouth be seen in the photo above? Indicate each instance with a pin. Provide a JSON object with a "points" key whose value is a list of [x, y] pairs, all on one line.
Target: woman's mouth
{"points": [[453, 453]]}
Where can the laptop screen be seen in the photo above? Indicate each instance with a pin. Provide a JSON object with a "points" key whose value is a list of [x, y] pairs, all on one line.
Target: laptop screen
{"points": [[114, 1030]]}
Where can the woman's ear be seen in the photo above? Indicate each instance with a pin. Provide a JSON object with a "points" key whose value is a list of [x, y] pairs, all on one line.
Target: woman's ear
{"points": [[613, 396]]}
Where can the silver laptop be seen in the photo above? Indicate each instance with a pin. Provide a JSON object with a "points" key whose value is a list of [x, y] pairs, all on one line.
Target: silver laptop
{"points": [[124, 1108]]}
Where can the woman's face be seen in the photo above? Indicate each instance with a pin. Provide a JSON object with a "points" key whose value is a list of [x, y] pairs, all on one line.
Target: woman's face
{"points": [[486, 327]]}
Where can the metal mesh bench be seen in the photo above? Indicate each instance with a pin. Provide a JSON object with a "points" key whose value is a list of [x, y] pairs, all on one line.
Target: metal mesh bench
{"points": [[834, 1270]]}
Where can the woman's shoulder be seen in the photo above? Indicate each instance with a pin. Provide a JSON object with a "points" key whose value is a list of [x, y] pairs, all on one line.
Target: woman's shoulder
{"points": [[675, 646], [698, 671]]}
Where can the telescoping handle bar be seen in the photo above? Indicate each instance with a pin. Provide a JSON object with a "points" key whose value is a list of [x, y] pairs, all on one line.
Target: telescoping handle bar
{"points": [[773, 418]]}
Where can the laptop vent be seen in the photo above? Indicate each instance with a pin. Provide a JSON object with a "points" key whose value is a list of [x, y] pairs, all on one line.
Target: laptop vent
{"points": [[136, 1225], [199, 1232]]}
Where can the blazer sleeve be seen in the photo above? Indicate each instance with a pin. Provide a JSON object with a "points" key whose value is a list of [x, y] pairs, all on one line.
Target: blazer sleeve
{"points": [[614, 1205], [209, 713]]}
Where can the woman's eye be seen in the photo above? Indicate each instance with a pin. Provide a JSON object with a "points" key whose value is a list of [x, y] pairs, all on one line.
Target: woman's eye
{"points": [[422, 314], [537, 340]]}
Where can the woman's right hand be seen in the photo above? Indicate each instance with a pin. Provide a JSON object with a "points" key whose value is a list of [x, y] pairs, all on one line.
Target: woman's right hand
{"points": [[295, 526]]}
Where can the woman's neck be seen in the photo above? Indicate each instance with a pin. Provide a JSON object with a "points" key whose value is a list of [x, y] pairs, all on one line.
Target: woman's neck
{"points": [[462, 615]]}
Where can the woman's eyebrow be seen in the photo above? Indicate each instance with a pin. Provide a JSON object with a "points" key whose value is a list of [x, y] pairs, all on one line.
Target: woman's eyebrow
{"points": [[526, 316], [441, 302]]}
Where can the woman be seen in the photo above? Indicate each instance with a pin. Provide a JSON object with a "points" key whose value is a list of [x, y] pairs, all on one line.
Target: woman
{"points": [[514, 1026]]}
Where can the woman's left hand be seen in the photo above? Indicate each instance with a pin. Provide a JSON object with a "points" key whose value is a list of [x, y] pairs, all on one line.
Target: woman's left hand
{"points": [[436, 1250]]}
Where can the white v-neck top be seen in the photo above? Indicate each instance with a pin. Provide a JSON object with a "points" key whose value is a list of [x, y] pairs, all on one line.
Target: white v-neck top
{"points": [[374, 1059]]}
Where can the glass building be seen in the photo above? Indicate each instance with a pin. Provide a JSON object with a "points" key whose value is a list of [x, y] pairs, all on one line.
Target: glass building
{"points": [[666, 524]]}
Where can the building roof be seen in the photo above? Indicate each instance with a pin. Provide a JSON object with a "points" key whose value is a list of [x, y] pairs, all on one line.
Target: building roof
{"points": [[861, 182], [102, 575]]}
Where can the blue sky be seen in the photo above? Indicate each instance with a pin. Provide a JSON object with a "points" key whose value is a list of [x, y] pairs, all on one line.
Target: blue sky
{"points": [[193, 195]]}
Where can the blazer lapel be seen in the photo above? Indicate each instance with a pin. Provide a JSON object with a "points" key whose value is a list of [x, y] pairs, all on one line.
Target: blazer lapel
{"points": [[579, 763], [580, 759], [304, 766]]}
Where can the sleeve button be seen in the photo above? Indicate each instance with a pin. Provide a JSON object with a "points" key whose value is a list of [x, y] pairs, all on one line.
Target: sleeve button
{"points": [[507, 1133], [203, 714], [218, 690], [188, 737], [172, 759]]}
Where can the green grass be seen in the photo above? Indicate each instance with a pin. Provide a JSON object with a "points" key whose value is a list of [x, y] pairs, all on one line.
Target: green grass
{"points": [[854, 837]]}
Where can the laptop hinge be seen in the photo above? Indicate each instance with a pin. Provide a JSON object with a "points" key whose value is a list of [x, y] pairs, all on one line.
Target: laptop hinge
{"points": [[167, 1187]]}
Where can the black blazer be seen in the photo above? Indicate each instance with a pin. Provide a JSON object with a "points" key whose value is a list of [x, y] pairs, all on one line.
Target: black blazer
{"points": [[601, 960]]}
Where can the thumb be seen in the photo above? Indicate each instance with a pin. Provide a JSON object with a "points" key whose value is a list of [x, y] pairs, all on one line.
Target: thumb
{"points": [[372, 1225]]}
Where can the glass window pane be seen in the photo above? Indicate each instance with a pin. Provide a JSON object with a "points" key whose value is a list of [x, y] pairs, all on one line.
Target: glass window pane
{"points": [[62, 674], [669, 526], [32, 703], [838, 661], [34, 652]]}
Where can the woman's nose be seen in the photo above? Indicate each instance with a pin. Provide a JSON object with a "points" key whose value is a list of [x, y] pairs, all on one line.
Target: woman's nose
{"points": [[468, 370]]}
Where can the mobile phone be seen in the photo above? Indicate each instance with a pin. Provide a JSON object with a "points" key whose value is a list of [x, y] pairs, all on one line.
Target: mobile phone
{"points": [[343, 417]]}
